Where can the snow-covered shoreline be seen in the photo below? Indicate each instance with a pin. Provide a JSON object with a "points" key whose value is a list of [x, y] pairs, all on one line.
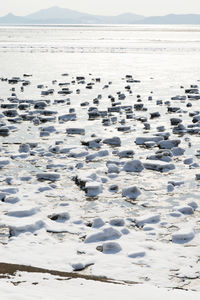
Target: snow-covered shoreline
{"points": [[99, 170]]}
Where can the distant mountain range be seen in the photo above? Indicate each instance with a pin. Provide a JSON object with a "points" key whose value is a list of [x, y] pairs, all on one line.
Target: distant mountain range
{"points": [[57, 15]]}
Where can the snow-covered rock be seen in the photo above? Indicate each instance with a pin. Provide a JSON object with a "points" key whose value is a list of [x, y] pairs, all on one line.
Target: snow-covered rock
{"points": [[117, 222], [144, 139], [24, 148], [97, 223], [93, 188], [126, 153], [4, 162], [168, 144], [48, 176], [158, 166], [114, 141], [178, 151], [133, 166], [67, 117], [183, 235], [111, 247], [78, 152], [131, 192], [185, 209], [75, 131], [147, 219], [112, 168]]}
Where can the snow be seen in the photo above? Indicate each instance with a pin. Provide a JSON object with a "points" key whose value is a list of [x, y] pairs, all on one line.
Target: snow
{"points": [[46, 287]]}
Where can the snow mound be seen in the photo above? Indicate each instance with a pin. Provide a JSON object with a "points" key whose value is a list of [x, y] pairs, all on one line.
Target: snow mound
{"points": [[23, 212], [147, 219], [104, 235], [183, 235]]}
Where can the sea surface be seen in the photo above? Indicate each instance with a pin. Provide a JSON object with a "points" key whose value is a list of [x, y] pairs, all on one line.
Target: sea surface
{"points": [[98, 39], [167, 52]]}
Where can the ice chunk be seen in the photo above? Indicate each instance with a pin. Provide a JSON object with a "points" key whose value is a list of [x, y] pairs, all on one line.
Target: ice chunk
{"points": [[131, 192], [117, 222], [159, 166], [4, 162], [188, 161], [78, 152], [115, 141], [75, 131], [97, 223], [67, 117], [185, 209], [178, 151], [113, 188], [9, 190], [11, 200], [133, 166], [126, 153], [112, 168], [193, 204], [142, 140], [24, 148], [78, 266], [169, 144]]}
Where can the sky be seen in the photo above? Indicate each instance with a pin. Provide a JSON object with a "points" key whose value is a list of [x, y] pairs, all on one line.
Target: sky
{"points": [[104, 7]]}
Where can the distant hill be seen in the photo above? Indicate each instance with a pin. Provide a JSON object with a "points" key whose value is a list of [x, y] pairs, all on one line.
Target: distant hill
{"points": [[11, 19], [61, 15], [172, 19], [57, 15]]}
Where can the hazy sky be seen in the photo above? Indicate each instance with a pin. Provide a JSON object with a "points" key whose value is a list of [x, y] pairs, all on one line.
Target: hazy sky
{"points": [[104, 7]]}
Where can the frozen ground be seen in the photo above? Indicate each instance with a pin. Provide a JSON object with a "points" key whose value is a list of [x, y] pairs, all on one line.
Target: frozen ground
{"points": [[99, 168], [28, 287]]}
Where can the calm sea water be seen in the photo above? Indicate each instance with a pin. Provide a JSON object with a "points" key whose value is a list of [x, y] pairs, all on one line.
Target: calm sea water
{"points": [[107, 39], [169, 54]]}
